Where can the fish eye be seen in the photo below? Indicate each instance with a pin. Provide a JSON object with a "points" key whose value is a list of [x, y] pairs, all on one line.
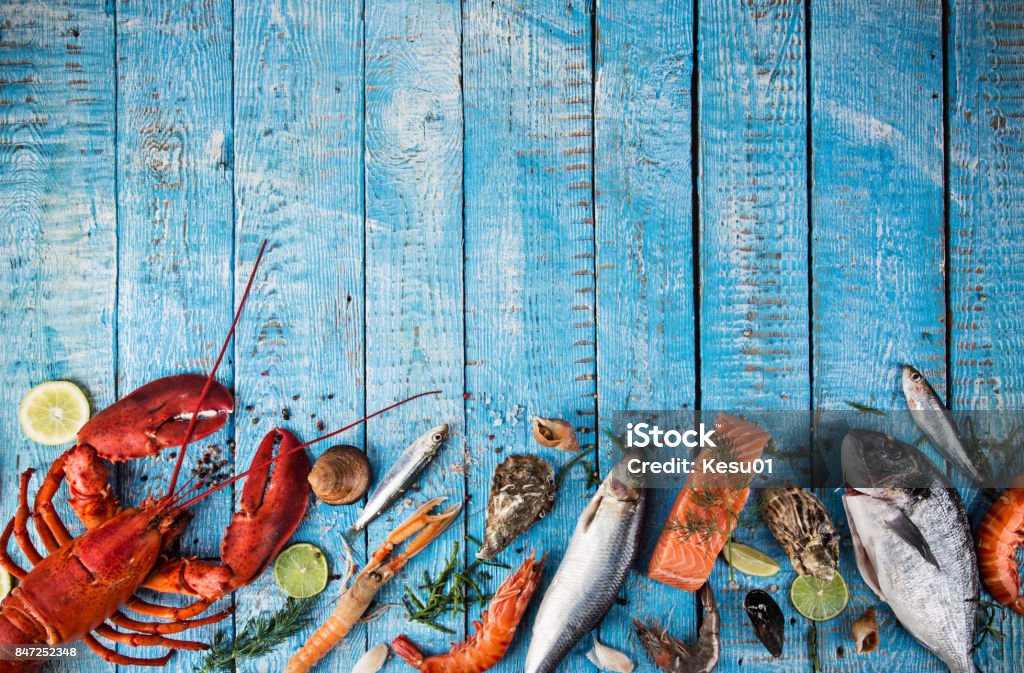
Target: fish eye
{"points": [[892, 450], [915, 377], [438, 436]]}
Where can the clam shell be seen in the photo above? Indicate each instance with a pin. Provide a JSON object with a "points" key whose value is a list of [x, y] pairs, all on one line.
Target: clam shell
{"points": [[522, 492], [803, 527], [340, 476]]}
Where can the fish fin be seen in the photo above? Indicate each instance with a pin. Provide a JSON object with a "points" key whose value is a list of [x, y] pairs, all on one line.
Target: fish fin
{"points": [[908, 531]]}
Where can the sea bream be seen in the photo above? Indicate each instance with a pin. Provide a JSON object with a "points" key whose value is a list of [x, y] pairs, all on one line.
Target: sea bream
{"points": [[935, 421], [402, 475], [592, 571], [913, 543]]}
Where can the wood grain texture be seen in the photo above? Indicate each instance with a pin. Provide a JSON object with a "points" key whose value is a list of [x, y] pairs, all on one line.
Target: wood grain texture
{"points": [[645, 313], [298, 110], [414, 305], [174, 226], [57, 230], [530, 328], [985, 80], [877, 223], [754, 321]]}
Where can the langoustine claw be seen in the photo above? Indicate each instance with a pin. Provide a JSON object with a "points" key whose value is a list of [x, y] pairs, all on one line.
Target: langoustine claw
{"points": [[675, 656], [1000, 534], [494, 631]]}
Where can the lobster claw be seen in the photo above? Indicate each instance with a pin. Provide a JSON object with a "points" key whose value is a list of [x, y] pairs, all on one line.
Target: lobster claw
{"points": [[156, 416], [271, 508]]}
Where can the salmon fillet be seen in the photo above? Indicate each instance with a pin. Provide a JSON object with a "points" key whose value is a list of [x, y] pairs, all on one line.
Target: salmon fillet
{"points": [[706, 509]]}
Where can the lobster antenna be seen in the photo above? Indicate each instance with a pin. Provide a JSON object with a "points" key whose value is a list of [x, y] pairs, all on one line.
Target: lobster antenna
{"points": [[300, 447], [213, 372]]}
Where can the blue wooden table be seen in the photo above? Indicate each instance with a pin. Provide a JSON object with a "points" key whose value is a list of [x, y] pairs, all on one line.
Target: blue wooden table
{"points": [[538, 207]]}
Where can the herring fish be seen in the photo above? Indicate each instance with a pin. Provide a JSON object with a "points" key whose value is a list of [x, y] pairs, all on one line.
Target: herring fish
{"points": [[402, 474], [912, 542], [592, 571], [932, 417]]}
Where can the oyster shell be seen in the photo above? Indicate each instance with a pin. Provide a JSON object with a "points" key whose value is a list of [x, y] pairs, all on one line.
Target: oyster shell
{"points": [[803, 527], [522, 492]]}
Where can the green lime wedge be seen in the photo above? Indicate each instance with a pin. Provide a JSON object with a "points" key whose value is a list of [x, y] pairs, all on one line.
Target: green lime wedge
{"points": [[819, 601], [53, 412], [5, 582], [749, 561], [301, 570]]}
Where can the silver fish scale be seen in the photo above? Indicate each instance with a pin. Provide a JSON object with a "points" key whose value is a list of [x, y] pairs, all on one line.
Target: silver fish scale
{"points": [[588, 579]]}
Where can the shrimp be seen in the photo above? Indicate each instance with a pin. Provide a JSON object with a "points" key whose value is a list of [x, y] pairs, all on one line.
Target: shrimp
{"points": [[675, 656], [494, 631], [1000, 534], [352, 604]]}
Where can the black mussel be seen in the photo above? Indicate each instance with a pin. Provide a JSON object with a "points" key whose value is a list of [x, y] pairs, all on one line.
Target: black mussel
{"points": [[766, 616]]}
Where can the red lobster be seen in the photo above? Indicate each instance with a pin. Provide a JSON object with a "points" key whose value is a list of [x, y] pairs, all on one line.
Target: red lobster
{"points": [[78, 591]]}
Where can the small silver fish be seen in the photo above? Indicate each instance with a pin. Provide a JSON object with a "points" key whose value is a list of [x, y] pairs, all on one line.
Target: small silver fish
{"points": [[913, 543], [592, 571], [402, 474], [932, 417]]}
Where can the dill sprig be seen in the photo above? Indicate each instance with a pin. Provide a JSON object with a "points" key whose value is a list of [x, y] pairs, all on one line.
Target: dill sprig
{"points": [[578, 458], [260, 636], [452, 591]]}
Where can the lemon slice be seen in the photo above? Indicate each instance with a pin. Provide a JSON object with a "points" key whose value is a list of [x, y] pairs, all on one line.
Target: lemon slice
{"points": [[301, 570], [749, 561], [53, 412], [5, 582], [819, 601]]}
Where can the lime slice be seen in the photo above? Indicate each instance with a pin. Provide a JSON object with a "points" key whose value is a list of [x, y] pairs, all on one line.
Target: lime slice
{"points": [[5, 582], [53, 412], [749, 561], [817, 600], [301, 570]]}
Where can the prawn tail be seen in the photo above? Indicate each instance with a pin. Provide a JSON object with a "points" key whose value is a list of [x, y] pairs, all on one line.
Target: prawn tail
{"points": [[330, 633], [405, 649]]}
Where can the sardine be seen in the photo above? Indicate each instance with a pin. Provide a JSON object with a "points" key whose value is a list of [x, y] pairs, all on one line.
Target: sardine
{"points": [[402, 474], [913, 544], [935, 421], [592, 571]]}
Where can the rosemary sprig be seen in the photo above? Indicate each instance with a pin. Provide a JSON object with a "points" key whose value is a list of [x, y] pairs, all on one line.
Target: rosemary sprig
{"points": [[987, 613], [452, 591], [865, 409], [812, 646], [260, 636]]}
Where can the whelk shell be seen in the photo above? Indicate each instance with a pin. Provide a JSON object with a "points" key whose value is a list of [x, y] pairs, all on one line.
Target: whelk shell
{"points": [[341, 475], [554, 433], [522, 492], [865, 632], [803, 527]]}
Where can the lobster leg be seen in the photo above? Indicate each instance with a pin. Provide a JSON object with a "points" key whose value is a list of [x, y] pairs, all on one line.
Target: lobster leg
{"points": [[171, 614], [147, 640], [125, 622], [110, 655], [6, 562], [21, 521]]}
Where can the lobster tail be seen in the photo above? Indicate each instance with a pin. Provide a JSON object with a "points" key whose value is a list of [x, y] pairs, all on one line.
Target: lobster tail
{"points": [[405, 648]]}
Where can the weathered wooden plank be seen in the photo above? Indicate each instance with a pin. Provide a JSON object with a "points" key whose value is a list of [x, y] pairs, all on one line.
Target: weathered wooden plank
{"points": [[753, 249], [530, 328], [174, 223], [57, 220], [985, 80], [414, 338], [878, 247], [299, 183], [645, 318]]}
